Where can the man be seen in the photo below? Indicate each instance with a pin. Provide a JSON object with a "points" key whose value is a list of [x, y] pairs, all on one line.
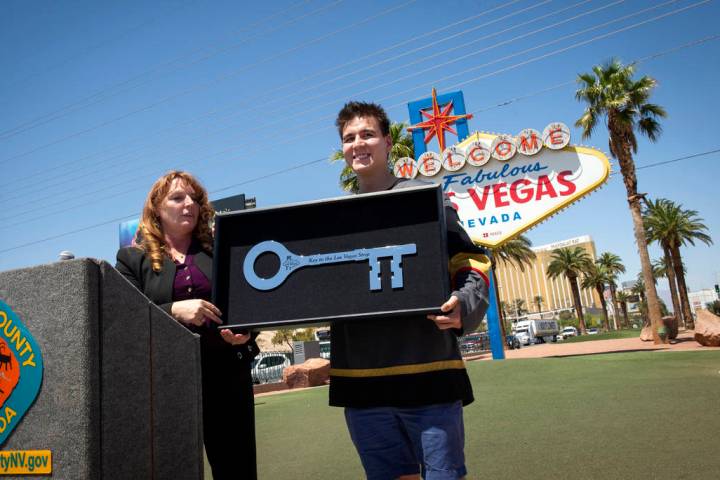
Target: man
{"points": [[402, 380]]}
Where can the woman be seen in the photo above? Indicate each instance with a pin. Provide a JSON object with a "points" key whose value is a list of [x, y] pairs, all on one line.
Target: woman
{"points": [[172, 266]]}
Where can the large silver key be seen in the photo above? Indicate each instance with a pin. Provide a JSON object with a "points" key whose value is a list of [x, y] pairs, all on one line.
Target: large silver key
{"points": [[289, 262]]}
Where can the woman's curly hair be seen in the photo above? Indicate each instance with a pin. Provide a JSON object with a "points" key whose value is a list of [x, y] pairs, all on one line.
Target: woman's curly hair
{"points": [[150, 236]]}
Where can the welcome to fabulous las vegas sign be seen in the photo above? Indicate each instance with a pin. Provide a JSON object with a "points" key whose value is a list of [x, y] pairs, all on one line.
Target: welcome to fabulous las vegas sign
{"points": [[500, 184]]}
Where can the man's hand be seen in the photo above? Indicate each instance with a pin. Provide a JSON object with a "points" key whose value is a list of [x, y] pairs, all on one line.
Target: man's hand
{"points": [[452, 319], [194, 312], [234, 338]]}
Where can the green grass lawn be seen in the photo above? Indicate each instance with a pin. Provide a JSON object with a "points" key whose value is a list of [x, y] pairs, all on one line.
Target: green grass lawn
{"points": [[614, 334], [640, 415]]}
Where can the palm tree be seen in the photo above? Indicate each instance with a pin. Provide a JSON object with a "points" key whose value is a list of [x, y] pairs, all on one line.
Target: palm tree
{"points": [[402, 147], [538, 300], [595, 276], [622, 299], [672, 226], [518, 306], [663, 268], [639, 289], [611, 92], [516, 251], [570, 262], [613, 267], [503, 313]]}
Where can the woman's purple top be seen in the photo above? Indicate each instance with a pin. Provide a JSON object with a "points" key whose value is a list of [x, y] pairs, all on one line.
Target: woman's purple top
{"points": [[190, 283]]}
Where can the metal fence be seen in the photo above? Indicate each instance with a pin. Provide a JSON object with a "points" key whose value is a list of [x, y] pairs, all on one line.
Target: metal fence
{"points": [[268, 366], [474, 343]]}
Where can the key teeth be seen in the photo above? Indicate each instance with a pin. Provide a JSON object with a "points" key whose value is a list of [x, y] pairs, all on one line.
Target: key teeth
{"points": [[397, 282], [397, 272], [375, 272]]}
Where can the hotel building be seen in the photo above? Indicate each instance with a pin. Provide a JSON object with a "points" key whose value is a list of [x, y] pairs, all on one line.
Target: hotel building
{"points": [[556, 296]]}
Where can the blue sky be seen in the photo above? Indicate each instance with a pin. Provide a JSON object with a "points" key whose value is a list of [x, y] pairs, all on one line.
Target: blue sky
{"points": [[98, 99]]}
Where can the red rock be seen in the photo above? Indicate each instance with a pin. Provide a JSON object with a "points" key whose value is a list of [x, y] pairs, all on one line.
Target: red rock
{"points": [[707, 329], [646, 334], [314, 372]]}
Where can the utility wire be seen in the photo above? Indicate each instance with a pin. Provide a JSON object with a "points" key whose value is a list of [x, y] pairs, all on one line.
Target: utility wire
{"points": [[135, 215], [265, 111], [653, 56], [581, 43], [33, 178], [262, 177], [264, 126], [445, 53], [104, 94], [585, 42], [92, 48], [686, 157], [203, 86], [302, 113], [230, 149], [537, 47], [291, 140]]}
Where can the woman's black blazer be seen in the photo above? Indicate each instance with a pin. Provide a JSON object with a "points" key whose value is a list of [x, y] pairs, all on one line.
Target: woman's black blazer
{"points": [[134, 265]]}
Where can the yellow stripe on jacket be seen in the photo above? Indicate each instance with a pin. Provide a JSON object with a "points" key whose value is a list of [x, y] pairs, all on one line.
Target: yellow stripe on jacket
{"points": [[470, 261], [398, 370]]}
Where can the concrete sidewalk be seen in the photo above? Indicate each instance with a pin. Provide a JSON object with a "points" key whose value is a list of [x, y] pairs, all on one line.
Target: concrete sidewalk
{"points": [[684, 341]]}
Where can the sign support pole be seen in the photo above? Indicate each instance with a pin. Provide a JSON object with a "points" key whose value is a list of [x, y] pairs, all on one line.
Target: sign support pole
{"points": [[493, 322]]}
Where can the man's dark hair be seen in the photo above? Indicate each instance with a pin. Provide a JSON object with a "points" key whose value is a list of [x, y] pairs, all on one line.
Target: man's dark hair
{"points": [[362, 109]]}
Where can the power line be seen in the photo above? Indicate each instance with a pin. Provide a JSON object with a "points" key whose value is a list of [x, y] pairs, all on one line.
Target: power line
{"points": [[279, 172], [285, 118], [585, 42], [204, 86], [546, 55], [135, 215], [91, 48], [542, 45], [263, 127], [544, 28], [296, 93], [426, 58], [653, 56], [421, 72], [496, 72], [462, 72], [102, 95], [421, 48], [687, 157], [34, 180]]}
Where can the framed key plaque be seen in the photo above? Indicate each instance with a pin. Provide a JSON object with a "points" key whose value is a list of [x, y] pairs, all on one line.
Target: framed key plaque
{"points": [[350, 258]]}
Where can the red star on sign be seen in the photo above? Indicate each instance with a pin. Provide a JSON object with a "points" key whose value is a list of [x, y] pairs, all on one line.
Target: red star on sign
{"points": [[438, 122]]}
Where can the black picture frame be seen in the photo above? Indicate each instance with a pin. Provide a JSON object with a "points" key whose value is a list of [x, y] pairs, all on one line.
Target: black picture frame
{"points": [[337, 291]]}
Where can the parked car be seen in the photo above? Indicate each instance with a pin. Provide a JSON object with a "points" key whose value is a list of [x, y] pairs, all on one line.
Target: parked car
{"points": [[592, 331], [474, 342], [512, 342], [268, 367], [568, 332]]}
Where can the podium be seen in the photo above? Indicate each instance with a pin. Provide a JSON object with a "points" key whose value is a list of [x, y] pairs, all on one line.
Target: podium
{"points": [[121, 394]]}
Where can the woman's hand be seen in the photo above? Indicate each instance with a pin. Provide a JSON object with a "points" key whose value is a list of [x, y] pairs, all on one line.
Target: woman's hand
{"points": [[234, 338], [194, 312]]}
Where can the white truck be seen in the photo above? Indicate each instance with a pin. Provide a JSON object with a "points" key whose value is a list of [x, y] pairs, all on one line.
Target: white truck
{"points": [[537, 331]]}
